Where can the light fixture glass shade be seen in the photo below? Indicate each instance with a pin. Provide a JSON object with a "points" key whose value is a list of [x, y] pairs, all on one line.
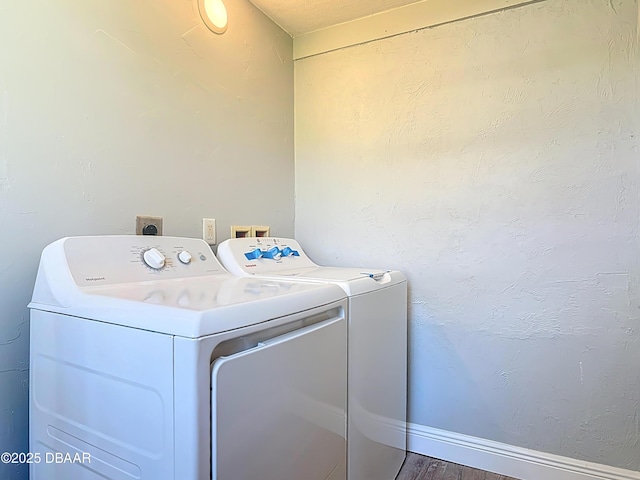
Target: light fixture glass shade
{"points": [[214, 15]]}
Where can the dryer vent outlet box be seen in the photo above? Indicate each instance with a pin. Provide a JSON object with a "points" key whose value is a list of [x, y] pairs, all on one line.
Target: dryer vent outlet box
{"points": [[146, 225], [241, 231], [260, 231]]}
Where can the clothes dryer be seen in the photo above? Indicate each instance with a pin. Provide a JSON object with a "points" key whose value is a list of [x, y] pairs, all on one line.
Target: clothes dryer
{"points": [[151, 360], [377, 345]]}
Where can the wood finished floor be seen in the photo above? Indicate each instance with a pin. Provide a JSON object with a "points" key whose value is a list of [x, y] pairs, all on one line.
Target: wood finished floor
{"points": [[417, 467]]}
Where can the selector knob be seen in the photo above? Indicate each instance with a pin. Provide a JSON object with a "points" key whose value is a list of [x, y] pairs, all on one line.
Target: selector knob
{"points": [[153, 258], [289, 252], [254, 254], [184, 257], [273, 253]]}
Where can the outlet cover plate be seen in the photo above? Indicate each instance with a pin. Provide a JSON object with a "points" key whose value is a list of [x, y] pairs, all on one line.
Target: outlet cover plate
{"points": [[144, 221], [209, 230]]}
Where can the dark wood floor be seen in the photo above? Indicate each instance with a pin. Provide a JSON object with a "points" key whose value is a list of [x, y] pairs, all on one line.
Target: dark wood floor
{"points": [[417, 467]]}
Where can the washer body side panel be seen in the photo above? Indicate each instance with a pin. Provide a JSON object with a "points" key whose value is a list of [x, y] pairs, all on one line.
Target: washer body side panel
{"points": [[377, 405]]}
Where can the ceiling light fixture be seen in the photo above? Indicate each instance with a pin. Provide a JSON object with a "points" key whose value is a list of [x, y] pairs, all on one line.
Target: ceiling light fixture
{"points": [[213, 14]]}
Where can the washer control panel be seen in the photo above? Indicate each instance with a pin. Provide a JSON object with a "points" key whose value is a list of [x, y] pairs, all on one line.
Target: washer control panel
{"points": [[137, 258], [256, 255], [272, 253]]}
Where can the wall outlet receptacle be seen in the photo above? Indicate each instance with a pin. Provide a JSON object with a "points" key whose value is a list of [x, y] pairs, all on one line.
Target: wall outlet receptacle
{"points": [[209, 230], [146, 225], [260, 231], [240, 231]]}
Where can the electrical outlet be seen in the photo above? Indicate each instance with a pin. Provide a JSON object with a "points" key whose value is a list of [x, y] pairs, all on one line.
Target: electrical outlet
{"points": [[238, 231], [260, 231], [209, 230], [146, 225]]}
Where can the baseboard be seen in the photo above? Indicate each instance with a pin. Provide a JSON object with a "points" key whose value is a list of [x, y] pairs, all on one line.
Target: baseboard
{"points": [[506, 459]]}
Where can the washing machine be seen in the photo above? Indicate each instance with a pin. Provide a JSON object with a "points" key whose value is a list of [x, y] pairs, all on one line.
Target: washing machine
{"points": [[377, 345], [150, 361]]}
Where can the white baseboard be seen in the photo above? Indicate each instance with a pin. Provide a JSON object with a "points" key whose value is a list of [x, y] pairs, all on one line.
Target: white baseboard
{"points": [[506, 459]]}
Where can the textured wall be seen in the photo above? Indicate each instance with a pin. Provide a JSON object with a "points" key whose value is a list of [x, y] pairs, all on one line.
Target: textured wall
{"points": [[496, 161], [112, 108]]}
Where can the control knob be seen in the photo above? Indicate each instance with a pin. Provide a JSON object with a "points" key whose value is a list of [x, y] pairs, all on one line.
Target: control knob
{"points": [[153, 258], [254, 254], [184, 257], [273, 253], [289, 252]]}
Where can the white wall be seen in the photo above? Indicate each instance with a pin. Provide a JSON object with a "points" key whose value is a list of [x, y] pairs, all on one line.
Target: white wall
{"points": [[496, 161], [112, 108]]}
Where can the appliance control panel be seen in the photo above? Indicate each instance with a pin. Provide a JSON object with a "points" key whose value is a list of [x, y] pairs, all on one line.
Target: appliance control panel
{"points": [[255, 255], [120, 259]]}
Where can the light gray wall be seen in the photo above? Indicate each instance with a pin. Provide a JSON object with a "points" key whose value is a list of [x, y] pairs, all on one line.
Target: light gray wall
{"points": [[496, 161], [112, 108]]}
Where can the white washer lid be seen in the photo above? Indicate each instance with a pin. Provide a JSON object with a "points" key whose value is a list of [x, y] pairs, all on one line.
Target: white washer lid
{"points": [[354, 281], [236, 256]]}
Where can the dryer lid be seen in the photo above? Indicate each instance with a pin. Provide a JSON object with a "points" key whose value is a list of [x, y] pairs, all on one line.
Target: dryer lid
{"points": [[107, 279]]}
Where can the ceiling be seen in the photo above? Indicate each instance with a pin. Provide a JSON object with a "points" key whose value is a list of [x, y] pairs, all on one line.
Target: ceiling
{"points": [[303, 16]]}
